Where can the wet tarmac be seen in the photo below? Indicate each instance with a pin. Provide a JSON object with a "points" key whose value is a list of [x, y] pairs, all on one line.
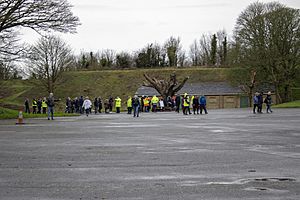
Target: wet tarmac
{"points": [[227, 154]]}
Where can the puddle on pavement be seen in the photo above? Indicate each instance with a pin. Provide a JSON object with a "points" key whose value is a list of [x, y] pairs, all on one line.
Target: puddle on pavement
{"points": [[245, 181], [264, 189], [275, 179]]}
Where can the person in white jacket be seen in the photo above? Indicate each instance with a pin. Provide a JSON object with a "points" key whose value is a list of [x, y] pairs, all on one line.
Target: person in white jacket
{"points": [[87, 104]]}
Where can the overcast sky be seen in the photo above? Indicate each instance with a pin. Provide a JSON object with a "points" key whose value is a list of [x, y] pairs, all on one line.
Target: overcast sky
{"points": [[132, 24]]}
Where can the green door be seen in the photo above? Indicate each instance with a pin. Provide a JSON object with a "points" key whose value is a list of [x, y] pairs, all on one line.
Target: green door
{"points": [[244, 102]]}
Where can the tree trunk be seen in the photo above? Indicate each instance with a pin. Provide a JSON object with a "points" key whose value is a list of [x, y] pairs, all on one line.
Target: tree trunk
{"points": [[165, 88]]}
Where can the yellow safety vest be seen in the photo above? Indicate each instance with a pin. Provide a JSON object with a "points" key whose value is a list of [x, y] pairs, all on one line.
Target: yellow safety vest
{"points": [[34, 103], [118, 102], [146, 102], [186, 101], [192, 99], [44, 104], [155, 100], [129, 102]]}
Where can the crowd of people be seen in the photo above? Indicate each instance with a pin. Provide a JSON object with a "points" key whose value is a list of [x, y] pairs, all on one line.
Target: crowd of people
{"points": [[188, 104], [84, 105], [41, 105], [144, 104]]}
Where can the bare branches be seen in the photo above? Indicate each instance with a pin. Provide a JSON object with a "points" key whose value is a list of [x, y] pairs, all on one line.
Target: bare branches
{"points": [[48, 59], [41, 16], [165, 87]]}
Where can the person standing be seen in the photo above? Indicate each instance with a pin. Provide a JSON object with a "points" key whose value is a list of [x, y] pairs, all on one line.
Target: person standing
{"points": [[106, 106], [39, 106], [87, 105], [118, 103], [142, 103], [177, 102], [110, 103], [255, 102], [202, 103], [146, 104], [260, 102], [161, 104], [68, 105], [154, 102], [34, 106], [44, 105], [80, 104], [26, 104], [268, 102], [136, 106], [186, 103], [96, 105], [50, 104], [129, 105], [196, 105], [100, 104]]}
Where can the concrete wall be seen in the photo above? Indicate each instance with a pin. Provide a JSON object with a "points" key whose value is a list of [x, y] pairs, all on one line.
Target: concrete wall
{"points": [[223, 101]]}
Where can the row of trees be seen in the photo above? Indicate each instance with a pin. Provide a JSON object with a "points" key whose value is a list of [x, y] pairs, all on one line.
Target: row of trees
{"points": [[264, 47], [210, 50]]}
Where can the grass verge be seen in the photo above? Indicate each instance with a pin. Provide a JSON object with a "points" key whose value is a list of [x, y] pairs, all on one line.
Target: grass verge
{"points": [[293, 104], [6, 113]]}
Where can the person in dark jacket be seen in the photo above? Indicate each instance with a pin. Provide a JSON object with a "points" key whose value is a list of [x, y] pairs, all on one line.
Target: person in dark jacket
{"points": [[136, 106], [106, 106], [100, 104], [39, 106], [196, 105], [68, 105], [96, 105], [177, 102], [50, 104], [255, 102], [202, 103], [80, 104], [110, 103], [268, 102], [260, 102], [26, 104]]}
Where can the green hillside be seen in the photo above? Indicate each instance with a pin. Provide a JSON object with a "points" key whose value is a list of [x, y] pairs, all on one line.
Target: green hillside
{"points": [[99, 83]]}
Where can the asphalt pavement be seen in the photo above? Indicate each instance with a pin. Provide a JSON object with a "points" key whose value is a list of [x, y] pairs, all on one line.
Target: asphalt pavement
{"points": [[227, 154]]}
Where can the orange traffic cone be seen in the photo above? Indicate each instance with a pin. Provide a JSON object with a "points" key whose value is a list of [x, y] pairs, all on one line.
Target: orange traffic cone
{"points": [[20, 118]]}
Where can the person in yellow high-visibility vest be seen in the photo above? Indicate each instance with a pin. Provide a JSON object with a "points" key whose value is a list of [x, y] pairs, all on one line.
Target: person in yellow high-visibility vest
{"points": [[44, 105], [154, 102], [129, 105], [118, 104], [146, 104], [34, 106], [186, 103]]}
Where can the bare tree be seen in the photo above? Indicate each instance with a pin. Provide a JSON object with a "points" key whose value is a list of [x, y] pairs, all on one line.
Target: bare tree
{"points": [[173, 49], [167, 87], [8, 71], [204, 47], [41, 16], [48, 59], [106, 57], [194, 53]]}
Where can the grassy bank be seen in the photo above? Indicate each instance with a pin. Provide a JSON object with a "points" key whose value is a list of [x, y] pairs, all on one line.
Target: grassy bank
{"points": [[99, 83], [6, 113], [293, 104]]}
